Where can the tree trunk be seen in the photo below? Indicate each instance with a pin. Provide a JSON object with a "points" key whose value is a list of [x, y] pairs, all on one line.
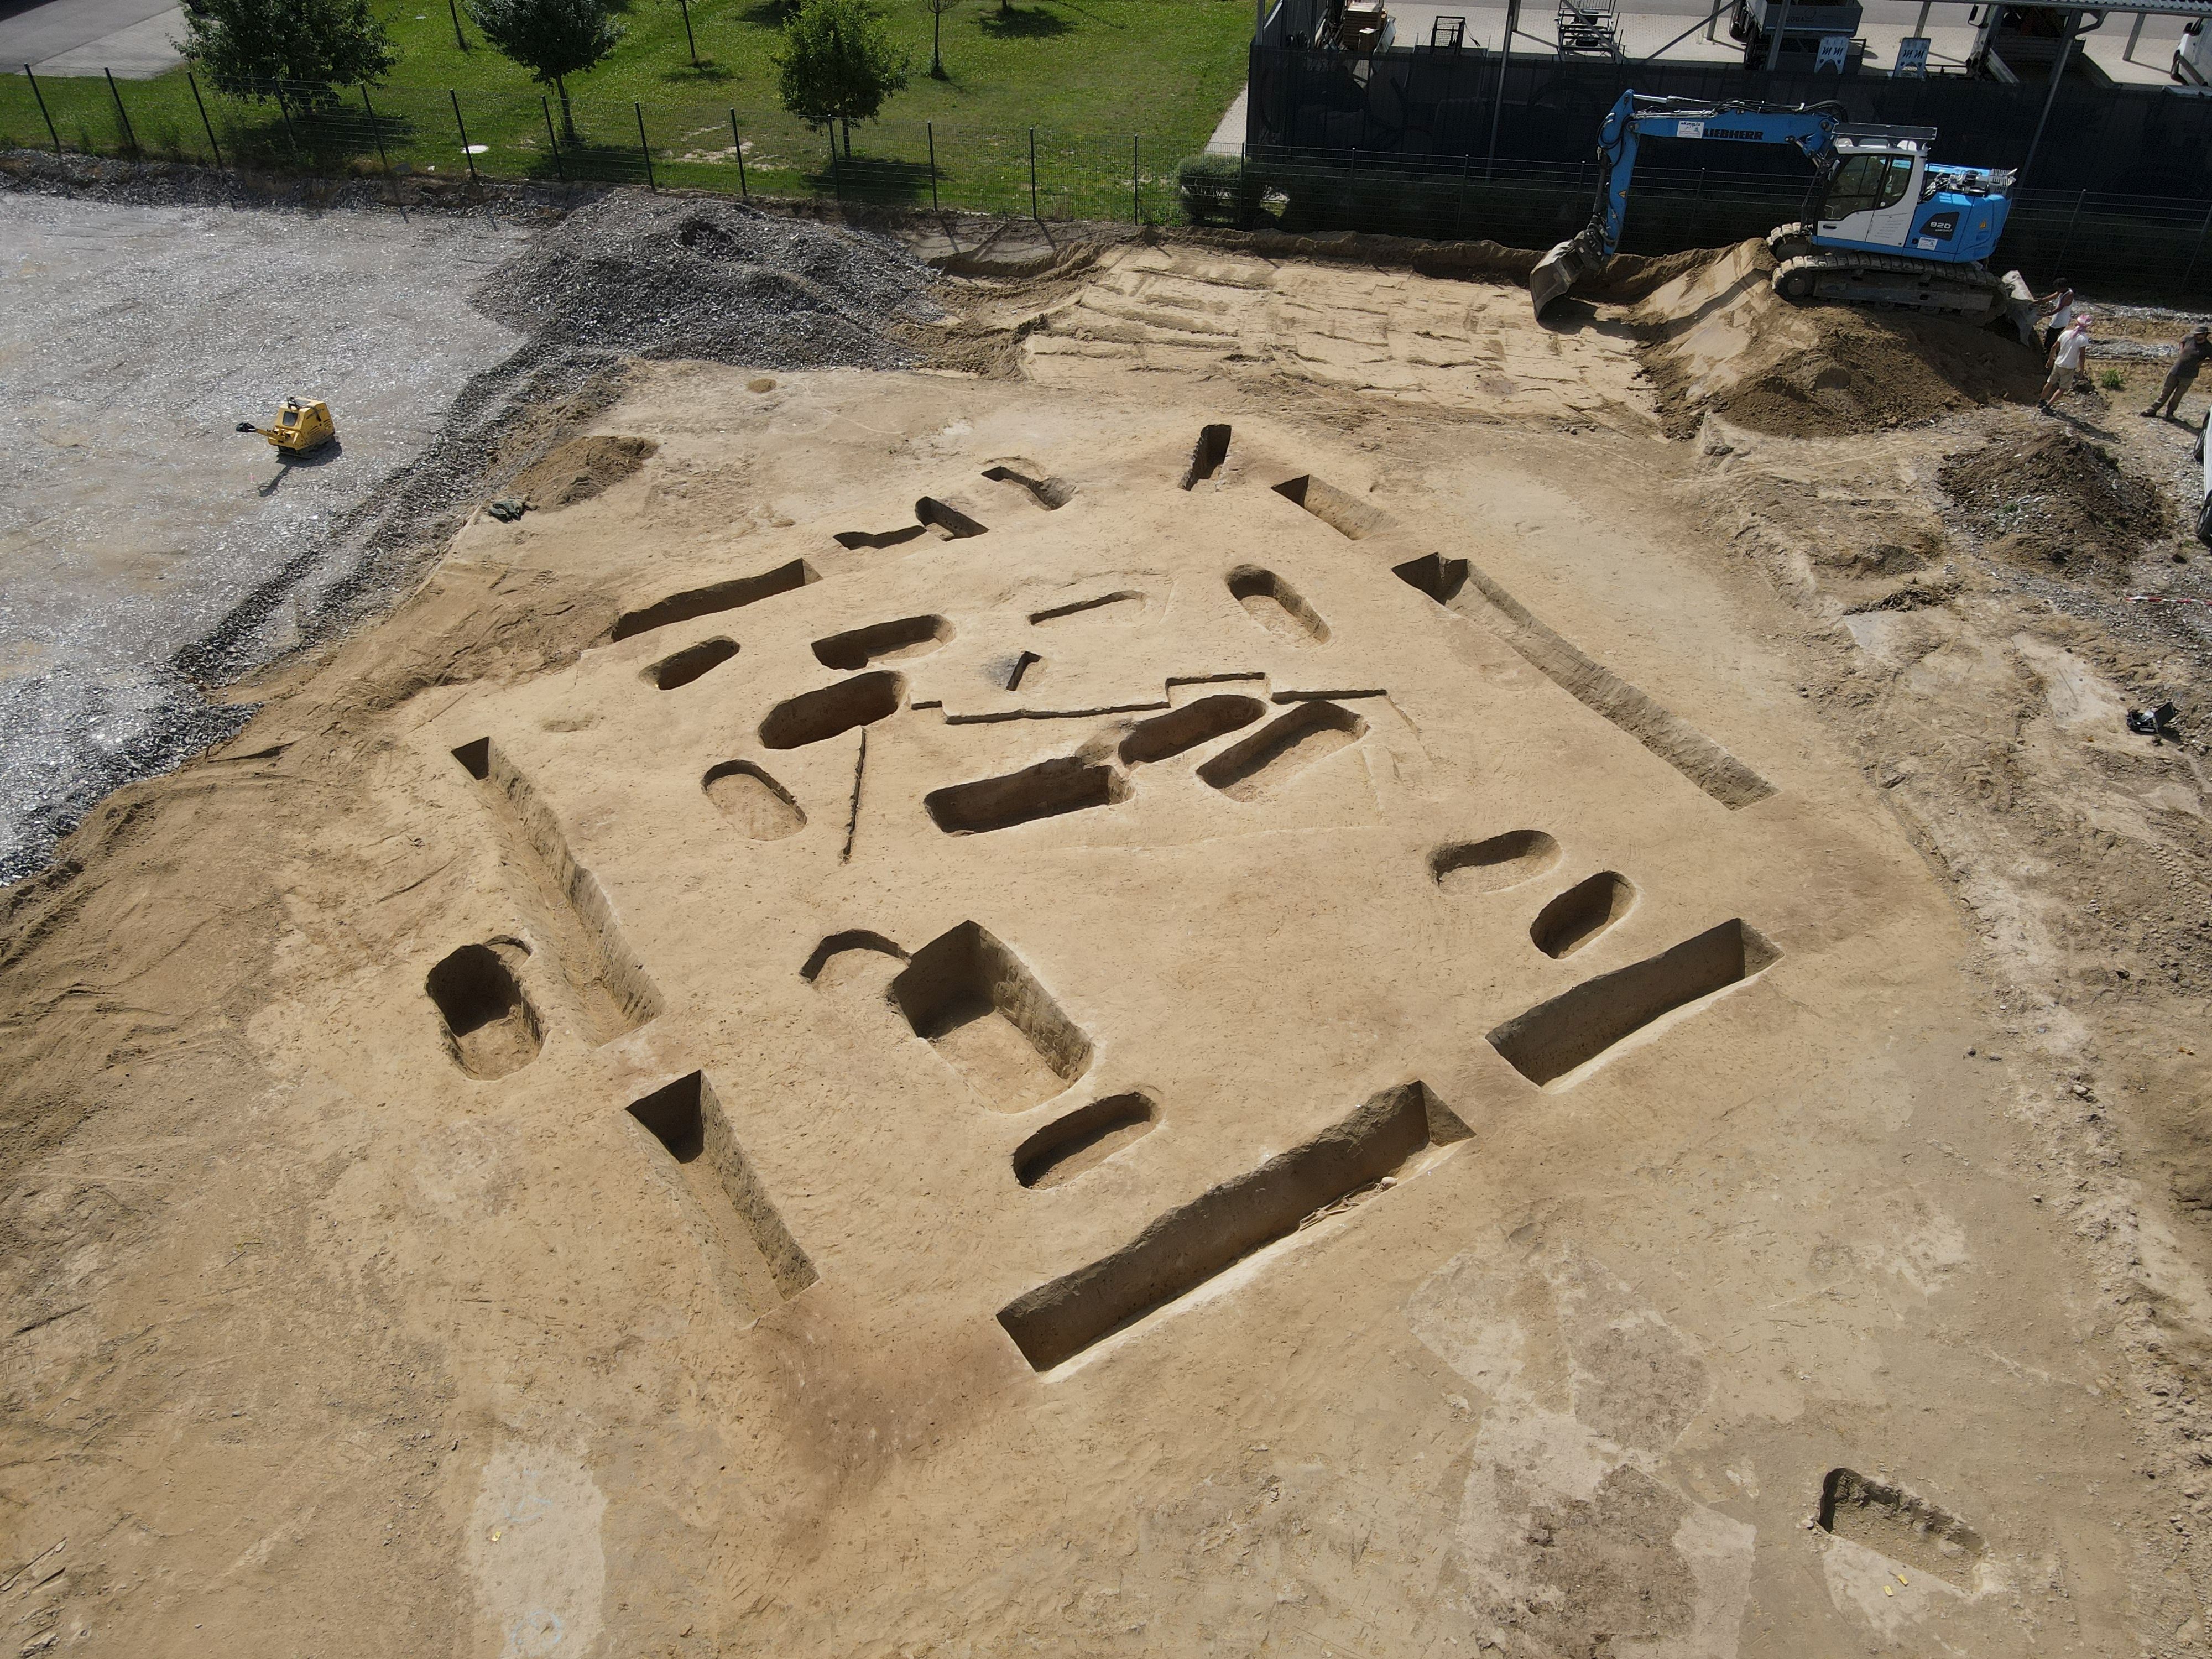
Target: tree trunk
{"points": [[936, 30], [567, 120]]}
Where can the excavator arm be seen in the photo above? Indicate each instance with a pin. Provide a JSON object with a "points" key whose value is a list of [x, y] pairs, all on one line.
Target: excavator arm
{"points": [[1811, 128]]}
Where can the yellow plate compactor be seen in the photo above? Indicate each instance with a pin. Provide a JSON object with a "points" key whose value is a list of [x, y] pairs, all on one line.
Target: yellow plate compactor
{"points": [[303, 423]]}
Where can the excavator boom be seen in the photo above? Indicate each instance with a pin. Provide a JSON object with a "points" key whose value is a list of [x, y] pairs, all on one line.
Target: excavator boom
{"points": [[1635, 117]]}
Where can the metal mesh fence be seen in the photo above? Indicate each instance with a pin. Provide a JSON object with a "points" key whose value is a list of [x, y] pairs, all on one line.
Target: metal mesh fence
{"points": [[2128, 245]]}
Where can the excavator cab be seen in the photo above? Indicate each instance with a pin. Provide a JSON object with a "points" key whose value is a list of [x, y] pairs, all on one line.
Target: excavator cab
{"points": [[1883, 195]]}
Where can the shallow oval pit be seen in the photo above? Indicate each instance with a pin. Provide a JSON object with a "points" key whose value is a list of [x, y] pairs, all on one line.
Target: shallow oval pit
{"points": [[1495, 864]]}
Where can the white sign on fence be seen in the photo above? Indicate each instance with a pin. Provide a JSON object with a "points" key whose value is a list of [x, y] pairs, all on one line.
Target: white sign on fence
{"points": [[1835, 52], [1911, 56]]}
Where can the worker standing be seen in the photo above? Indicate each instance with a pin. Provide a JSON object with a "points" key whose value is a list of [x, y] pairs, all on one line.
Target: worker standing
{"points": [[2056, 310], [2068, 356], [2195, 346]]}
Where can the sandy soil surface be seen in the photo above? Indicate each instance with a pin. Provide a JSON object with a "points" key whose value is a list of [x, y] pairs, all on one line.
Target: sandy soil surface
{"points": [[1198, 994]]}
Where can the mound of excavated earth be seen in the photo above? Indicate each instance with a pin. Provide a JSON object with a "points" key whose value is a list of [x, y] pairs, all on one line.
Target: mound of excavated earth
{"points": [[2053, 498], [1721, 340]]}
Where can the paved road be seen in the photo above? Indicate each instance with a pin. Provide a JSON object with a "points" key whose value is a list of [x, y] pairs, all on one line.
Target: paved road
{"points": [[83, 37]]}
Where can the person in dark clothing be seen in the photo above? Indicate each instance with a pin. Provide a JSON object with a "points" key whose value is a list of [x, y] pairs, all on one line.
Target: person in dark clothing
{"points": [[2194, 348]]}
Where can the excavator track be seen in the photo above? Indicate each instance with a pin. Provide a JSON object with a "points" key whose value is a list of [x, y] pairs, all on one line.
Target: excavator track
{"points": [[1965, 291]]}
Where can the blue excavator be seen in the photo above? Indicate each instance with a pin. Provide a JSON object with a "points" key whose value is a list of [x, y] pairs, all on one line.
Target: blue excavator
{"points": [[1884, 225]]}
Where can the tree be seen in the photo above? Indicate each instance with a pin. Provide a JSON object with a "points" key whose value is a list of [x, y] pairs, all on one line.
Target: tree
{"points": [[836, 63], [243, 45], [937, 10], [551, 39]]}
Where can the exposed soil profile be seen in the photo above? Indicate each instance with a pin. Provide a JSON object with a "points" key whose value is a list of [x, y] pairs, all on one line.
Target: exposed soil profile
{"points": [[1342, 511], [2051, 497], [1284, 747], [491, 1029], [1276, 605], [594, 956], [1084, 1138], [1049, 491], [1188, 1245], [673, 672], [1194, 723], [1066, 783], [883, 641], [817, 716], [1492, 864], [1122, 605], [686, 1117], [580, 469], [978, 1003], [1675, 741], [1581, 912], [1207, 455], [1892, 1521], [755, 804], [718, 596], [1560, 1037]]}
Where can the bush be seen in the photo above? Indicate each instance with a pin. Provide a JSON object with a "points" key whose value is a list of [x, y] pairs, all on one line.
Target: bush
{"points": [[1216, 190]]}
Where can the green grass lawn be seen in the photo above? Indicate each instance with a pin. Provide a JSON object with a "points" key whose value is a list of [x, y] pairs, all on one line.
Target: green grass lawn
{"points": [[1090, 76]]}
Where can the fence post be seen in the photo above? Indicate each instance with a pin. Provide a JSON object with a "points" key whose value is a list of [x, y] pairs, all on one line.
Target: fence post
{"points": [[688, 40], [1136, 186], [930, 127], [836, 178], [1244, 165], [1033, 199], [459, 40], [462, 127], [1459, 204], [376, 131], [2058, 264], [191, 82], [284, 109], [2191, 270], [559, 171], [1498, 103], [41, 97], [737, 146], [646, 151], [130, 138]]}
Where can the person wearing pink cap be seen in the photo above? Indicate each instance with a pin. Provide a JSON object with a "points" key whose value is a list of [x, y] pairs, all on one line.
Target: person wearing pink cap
{"points": [[2068, 359]]}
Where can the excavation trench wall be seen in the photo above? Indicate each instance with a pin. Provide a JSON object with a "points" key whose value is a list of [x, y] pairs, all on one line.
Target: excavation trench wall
{"points": [[1189, 1245]]}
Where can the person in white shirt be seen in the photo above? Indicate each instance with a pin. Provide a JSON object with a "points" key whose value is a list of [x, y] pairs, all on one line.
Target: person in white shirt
{"points": [[2069, 354], [2056, 310]]}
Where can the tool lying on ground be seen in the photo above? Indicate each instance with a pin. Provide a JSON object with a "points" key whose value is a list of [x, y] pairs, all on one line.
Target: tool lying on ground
{"points": [[303, 423], [1883, 225]]}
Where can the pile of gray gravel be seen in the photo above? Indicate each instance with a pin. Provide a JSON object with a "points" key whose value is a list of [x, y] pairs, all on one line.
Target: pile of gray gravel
{"points": [[683, 277]]}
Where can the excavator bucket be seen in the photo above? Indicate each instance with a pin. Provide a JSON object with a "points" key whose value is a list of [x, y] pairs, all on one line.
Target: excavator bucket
{"points": [[1580, 256]]}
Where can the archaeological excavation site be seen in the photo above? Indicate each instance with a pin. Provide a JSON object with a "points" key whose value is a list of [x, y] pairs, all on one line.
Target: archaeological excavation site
{"points": [[1168, 943]]}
